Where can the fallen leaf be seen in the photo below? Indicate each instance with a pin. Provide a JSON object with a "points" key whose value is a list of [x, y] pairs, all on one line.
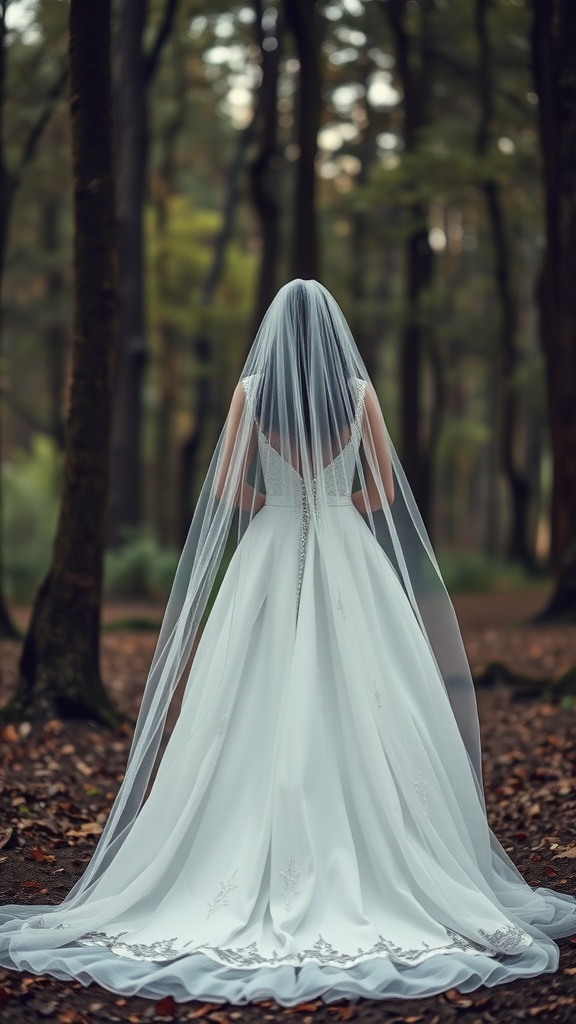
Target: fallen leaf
{"points": [[203, 1011], [10, 733], [5, 836], [40, 855], [454, 996], [166, 1006], [346, 1012], [53, 727], [568, 851], [89, 828]]}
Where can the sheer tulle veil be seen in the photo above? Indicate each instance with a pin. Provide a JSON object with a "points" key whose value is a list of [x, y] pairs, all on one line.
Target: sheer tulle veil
{"points": [[305, 388]]}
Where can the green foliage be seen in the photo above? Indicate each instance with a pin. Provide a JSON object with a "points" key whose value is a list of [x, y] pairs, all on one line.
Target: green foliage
{"points": [[369, 181], [460, 441], [30, 508], [140, 568], [474, 572]]}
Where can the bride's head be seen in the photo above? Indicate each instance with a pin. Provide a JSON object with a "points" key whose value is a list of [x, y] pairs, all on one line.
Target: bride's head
{"points": [[305, 357]]}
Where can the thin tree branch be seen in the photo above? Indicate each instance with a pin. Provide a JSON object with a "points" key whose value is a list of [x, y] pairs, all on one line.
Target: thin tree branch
{"points": [[38, 127], [164, 29]]}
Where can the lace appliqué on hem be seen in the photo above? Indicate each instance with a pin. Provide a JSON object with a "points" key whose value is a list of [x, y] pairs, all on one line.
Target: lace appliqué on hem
{"points": [[510, 939]]}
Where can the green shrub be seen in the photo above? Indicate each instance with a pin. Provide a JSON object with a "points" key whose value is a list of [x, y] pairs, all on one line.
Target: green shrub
{"points": [[30, 497], [475, 572], [139, 568]]}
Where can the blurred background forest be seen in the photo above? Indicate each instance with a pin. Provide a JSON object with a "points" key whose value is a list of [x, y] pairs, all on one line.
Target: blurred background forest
{"points": [[390, 148]]}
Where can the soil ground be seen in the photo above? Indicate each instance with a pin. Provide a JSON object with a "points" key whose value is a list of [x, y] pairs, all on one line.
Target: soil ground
{"points": [[59, 783]]}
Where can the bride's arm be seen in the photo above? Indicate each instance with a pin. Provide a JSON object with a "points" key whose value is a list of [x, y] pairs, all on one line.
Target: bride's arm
{"points": [[246, 497], [374, 434]]}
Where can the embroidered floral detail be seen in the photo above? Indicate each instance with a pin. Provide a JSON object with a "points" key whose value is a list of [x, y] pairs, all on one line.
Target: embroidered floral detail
{"points": [[163, 949], [290, 892], [508, 939], [222, 897], [340, 606], [377, 697], [423, 789], [321, 951], [222, 723]]}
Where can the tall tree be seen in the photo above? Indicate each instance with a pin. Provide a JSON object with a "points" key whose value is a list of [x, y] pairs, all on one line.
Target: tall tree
{"points": [[133, 71], [507, 357], [302, 19], [266, 163], [59, 667], [414, 66], [553, 49]]}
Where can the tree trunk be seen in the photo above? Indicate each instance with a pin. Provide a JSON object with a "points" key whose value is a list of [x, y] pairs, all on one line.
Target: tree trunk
{"points": [[205, 401], [416, 85], [263, 179], [125, 500], [7, 628], [361, 216], [165, 513], [553, 49], [264, 172], [518, 544], [59, 667], [56, 336], [301, 18]]}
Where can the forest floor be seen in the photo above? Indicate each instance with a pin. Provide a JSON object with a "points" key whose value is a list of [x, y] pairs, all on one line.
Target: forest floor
{"points": [[58, 785]]}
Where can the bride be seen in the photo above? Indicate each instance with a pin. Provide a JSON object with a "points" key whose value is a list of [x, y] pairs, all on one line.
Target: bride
{"points": [[316, 825]]}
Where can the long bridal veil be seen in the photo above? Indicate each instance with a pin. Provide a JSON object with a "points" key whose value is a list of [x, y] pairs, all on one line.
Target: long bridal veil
{"points": [[305, 389]]}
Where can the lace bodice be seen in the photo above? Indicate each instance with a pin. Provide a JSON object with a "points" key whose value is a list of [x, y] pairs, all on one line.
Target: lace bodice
{"points": [[282, 480]]}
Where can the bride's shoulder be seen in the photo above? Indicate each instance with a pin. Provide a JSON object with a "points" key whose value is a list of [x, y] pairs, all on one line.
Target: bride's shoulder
{"points": [[248, 383], [358, 386]]}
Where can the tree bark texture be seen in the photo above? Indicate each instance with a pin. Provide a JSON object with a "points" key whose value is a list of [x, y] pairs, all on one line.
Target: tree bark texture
{"points": [[131, 137], [518, 546], [417, 453], [59, 667], [554, 49], [7, 628], [301, 19], [265, 170]]}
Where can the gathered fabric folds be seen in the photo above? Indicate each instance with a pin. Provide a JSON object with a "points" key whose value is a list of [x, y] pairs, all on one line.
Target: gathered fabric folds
{"points": [[316, 825]]}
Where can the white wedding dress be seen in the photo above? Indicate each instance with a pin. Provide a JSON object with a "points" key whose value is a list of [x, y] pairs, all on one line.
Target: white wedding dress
{"points": [[313, 829]]}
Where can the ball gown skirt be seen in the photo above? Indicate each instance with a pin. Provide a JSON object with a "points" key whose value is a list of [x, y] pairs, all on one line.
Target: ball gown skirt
{"points": [[313, 830]]}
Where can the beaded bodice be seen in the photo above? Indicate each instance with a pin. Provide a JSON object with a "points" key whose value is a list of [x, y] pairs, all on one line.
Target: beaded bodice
{"points": [[283, 481]]}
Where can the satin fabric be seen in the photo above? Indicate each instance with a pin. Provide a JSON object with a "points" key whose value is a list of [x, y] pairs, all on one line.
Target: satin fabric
{"points": [[315, 827]]}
